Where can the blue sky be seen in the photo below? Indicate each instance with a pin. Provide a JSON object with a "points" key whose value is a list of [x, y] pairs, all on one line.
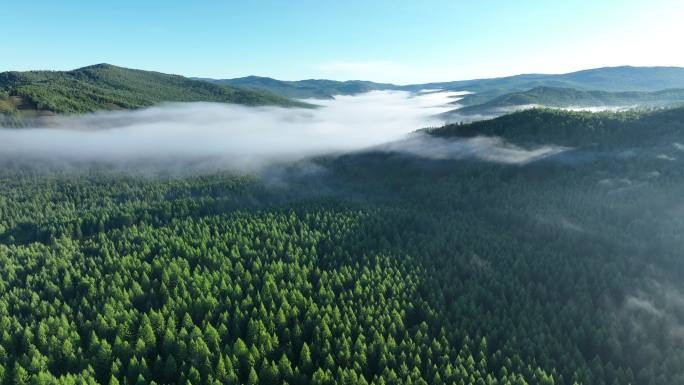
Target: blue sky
{"points": [[401, 41]]}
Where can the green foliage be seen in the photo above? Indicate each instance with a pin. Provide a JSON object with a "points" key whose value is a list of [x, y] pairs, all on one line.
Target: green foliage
{"points": [[412, 272], [569, 97], [611, 79], [577, 129], [303, 89], [107, 87]]}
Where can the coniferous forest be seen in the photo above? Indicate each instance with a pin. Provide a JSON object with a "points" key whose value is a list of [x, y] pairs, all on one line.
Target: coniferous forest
{"points": [[380, 268], [107, 87]]}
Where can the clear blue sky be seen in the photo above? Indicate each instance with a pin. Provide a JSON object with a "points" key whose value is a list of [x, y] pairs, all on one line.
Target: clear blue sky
{"points": [[402, 41]]}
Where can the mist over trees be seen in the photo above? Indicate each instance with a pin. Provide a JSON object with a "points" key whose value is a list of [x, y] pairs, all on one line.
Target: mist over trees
{"points": [[387, 267]]}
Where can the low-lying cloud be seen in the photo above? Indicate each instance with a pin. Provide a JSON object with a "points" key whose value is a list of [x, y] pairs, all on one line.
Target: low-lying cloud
{"points": [[210, 136], [456, 115], [492, 149], [230, 136], [660, 302]]}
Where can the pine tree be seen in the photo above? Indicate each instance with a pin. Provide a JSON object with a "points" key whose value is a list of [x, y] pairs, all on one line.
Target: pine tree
{"points": [[146, 334], [252, 379], [21, 376], [305, 362]]}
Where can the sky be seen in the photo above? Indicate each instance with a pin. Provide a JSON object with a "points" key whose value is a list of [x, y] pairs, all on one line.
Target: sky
{"points": [[399, 41]]}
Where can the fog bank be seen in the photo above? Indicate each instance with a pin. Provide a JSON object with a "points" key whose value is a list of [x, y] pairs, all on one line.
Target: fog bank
{"points": [[227, 136]]}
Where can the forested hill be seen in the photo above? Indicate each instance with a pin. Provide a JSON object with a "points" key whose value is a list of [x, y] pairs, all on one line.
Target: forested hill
{"points": [[624, 78], [570, 97], [612, 79], [108, 87], [571, 128], [303, 89]]}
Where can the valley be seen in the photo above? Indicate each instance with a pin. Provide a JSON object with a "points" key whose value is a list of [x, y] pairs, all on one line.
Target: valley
{"points": [[386, 265]]}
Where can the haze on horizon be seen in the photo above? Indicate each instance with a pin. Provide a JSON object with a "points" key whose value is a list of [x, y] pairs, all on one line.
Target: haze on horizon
{"points": [[386, 41]]}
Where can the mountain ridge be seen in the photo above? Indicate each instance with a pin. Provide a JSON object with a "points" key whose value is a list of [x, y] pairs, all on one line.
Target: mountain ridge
{"points": [[614, 79], [105, 86], [108, 87], [559, 97], [306, 88], [541, 126]]}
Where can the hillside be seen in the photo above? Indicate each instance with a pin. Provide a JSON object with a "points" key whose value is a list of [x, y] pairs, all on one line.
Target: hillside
{"points": [[572, 98], [304, 89], [625, 78], [573, 129], [611, 79], [107, 87]]}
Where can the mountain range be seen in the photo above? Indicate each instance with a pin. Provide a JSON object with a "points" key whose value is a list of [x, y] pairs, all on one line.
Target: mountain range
{"points": [[109, 87], [305, 89], [601, 87], [613, 79]]}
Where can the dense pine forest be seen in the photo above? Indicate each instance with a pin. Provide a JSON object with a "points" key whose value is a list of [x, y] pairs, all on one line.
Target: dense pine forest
{"points": [[380, 268]]}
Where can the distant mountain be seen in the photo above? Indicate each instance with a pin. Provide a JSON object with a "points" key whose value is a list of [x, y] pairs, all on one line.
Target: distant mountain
{"points": [[304, 89], [570, 97], [628, 78], [610, 79], [108, 87]]}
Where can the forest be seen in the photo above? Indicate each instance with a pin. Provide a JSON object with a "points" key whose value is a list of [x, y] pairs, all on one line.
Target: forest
{"points": [[107, 87], [574, 98], [381, 268]]}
